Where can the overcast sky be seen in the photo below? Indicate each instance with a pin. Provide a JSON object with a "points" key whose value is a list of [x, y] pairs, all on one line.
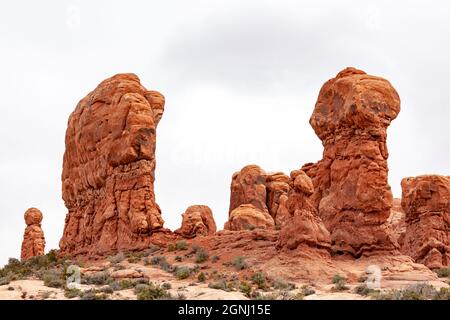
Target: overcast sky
{"points": [[240, 78]]}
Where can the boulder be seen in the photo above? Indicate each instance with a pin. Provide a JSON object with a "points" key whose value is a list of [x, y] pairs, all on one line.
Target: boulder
{"points": [[197, 220], [249, 217], [33, 239]]}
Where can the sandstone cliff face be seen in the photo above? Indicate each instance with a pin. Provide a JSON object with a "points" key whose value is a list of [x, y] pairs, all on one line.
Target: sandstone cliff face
{"points": [[352, 194], [426, 202], [33, 239], [109, 166], [197, 220]]}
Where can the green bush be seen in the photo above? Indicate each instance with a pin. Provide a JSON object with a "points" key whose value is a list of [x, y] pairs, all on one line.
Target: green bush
{"points": [[183, 273], [201, 256], [442, 273], [93, 295], [151, 292], [443, 294], [53, 279], [201, 277], [363, 290], [117, 258], [307, 290], [166, 285], [181, 245], [239, 263], [152, 249], [219, 285], [280, 284], [245, 288], [339, 283], [260, 280], [98, 278], [72, 293]]}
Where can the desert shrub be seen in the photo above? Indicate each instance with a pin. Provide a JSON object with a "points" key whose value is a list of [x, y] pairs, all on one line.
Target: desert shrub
{"points": [[133, 259], [280, 284], [201, 277], [239, 263], [418, 291], [166, 286], [98, 278], [362, 290], [72, 293], [117, 258], [442, 273], [178, 258], [307, 290], [183, 273], [299, 296], [340, 282], [443, 294], [219, 285], [53, 279], [215, 259], [162, 263], [201, 256], [152, 249], [151, 292], [107, 289], [171, 247], [260, 280], [195, 248], [93, 295], [181, 245], [245, 288]]}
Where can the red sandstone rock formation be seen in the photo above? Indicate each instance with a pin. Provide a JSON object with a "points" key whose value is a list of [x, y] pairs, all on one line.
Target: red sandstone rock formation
{"points": [[197, 220], [109, 168], [248, 186], [277, 188], [426, 202], [248, 217], [248, 208], [33, 239], [303, 226], [352, 194]]}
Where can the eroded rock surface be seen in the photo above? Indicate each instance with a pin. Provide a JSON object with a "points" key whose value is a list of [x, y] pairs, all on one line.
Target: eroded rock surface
{"points": [[109, 168], [33, 239], [352, 194], [426, 202], [197, 220], [248, 217]]}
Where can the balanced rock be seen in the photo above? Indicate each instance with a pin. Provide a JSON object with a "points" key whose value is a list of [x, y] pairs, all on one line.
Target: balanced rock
{"points": [[248, 217], [352, 194], [197, 220], [426, 202], [109, 168], [33, 239]]}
